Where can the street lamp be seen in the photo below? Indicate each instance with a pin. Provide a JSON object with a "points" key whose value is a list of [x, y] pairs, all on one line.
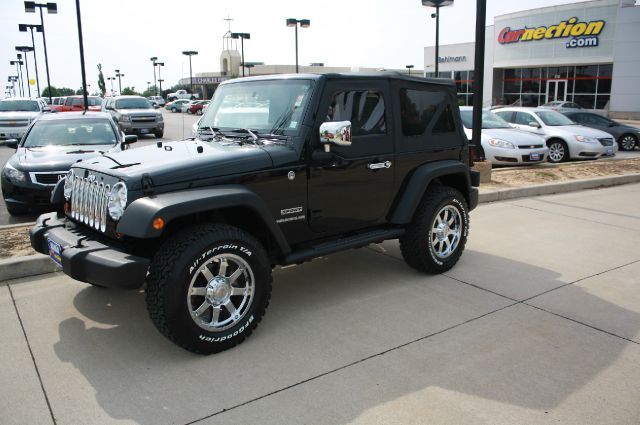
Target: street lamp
{"points": [[25, 50], [18, 63], [409, 68], [155, 84], [160, 80], [249, 66], [118, 74], [304, 23], [38, 28], [190, 53], [52, 8], [242, 36], [111, 79], [81, 46], [159, 64], [437, 4]]}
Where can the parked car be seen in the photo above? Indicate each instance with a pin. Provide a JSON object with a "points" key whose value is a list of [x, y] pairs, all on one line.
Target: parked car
{"points": [[57, 104], [135, 115], [76, 103], [156, 101], [197, 107], [565, 139], [50, 147], [503, 144], [559, 105], [626, 135], [181, 94], [17, 113], [176, 105]]}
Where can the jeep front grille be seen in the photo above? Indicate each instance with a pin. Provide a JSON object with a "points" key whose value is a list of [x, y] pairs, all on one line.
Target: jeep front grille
{"points": [[89, 202]]}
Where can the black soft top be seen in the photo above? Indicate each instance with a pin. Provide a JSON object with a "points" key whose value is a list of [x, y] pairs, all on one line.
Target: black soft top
{"points": [[391, 75]]}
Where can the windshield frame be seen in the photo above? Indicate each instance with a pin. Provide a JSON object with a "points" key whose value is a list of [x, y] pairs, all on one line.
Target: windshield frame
{"points": [[215, 104]]}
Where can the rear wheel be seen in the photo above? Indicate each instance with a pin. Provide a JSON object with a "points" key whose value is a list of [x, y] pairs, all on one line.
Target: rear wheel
{"points": [[174, 109], [558, 151], [159, 134], [208, 287], [435, 238], [627, 142]]}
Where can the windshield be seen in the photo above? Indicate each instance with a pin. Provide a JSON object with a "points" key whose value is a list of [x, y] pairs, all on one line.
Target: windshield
{"points": [[71, 132], [553, 118], [264, 106], [489, 120], [133, 103], [552, 104], [19, 105]]}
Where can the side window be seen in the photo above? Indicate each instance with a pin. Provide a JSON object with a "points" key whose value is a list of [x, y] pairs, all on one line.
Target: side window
{"points": [[524, 118], [505, 115], [445, 123], [364, 108], [76, 101], [417, 110]]}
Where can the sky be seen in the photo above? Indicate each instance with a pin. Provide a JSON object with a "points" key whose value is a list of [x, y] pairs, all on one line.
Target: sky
{"points": [[124, 34]]}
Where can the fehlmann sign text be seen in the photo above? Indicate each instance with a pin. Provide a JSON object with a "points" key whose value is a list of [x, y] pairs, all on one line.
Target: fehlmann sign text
{"points": [[584, 34]]}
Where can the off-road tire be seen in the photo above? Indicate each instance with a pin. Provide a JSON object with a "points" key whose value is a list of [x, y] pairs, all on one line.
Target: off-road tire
{"points": [[417, 246], [179, 262]]}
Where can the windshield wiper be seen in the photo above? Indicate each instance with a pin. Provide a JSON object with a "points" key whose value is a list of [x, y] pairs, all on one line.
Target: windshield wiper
{"points": [[251, 133]]}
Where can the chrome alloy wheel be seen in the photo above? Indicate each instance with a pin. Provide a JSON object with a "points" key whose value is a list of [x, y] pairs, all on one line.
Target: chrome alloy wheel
{"points": [[221, 293], [446, 231], [628, 142], [556, 152]]}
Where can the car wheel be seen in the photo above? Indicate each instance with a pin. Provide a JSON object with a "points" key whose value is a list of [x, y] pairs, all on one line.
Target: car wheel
{"points": [[174, 110], [627, 142], [17, 210], [558, 151], [435, 238], [159, 134], [199, 112], [208, 287]]}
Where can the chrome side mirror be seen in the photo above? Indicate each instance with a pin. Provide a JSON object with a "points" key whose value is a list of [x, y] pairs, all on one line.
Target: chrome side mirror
{"points": [[336, 132]]}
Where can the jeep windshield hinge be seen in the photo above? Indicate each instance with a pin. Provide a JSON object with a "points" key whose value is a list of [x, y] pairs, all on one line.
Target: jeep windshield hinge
{"points": [[147, 184]]}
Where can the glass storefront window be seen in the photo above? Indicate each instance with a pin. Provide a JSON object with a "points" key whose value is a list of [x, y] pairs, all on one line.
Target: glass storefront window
{"points": [[587, 101]]}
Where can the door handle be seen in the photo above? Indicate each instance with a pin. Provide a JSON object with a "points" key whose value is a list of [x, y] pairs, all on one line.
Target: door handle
{"points": [[379, 165]]}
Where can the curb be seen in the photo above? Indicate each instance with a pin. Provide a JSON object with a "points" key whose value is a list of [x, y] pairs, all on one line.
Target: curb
{"points": [[33, 265], [15, 226], [30, 265]]}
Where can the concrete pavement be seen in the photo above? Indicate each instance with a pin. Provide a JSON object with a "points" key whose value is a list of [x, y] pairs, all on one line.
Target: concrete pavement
{"points": [[538, 323]]}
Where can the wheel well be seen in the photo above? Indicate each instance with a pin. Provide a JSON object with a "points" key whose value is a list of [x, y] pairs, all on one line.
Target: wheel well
{"points": [[456, 181], [627, 134], [243, 218]]}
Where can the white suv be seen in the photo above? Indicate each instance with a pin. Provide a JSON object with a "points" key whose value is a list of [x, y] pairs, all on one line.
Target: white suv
{"points": [[565, 139]]}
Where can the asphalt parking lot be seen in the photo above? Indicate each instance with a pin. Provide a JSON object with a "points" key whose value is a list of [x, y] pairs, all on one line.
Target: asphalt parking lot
{"points": [[538, 323]]}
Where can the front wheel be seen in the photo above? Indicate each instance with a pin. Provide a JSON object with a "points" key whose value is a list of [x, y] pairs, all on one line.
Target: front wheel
{"points": [[174, 110], [435, 238], [628, 142], [208, 288], [159, 134], [558, 151]]}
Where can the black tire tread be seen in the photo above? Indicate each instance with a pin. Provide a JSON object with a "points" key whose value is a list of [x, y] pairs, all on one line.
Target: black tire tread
{"points": [[162, 265]]}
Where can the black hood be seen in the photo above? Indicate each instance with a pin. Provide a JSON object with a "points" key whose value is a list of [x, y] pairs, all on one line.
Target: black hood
{"points": [[175, 162], [55, 157]]}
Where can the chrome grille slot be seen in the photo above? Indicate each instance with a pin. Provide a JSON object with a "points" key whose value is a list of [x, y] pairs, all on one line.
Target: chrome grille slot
{"points": [[89, 202]]}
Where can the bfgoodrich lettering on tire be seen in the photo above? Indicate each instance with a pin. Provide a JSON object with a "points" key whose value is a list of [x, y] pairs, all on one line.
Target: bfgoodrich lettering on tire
{"points": [[436, 236], [208, 287]]}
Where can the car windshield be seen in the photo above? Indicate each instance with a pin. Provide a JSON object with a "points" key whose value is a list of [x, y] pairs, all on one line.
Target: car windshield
{"points": [[133, 103], [275, 106], [19, 105], [88, 131], [553, 118], [552, 104], [489, 120]]}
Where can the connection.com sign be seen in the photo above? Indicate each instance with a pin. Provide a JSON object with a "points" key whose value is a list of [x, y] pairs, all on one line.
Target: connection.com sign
{"points": [[583, 34]]}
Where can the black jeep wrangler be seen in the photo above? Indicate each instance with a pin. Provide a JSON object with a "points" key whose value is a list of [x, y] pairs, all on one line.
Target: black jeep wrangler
{"points": [[283, 169]]}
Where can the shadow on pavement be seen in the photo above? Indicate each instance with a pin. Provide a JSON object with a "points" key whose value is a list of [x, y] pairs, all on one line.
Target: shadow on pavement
{"points": [[520, 355]]}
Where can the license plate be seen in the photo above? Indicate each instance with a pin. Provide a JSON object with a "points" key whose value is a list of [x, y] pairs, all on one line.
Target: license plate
{"points": [[534, 157], [55, 252], [14, 135], [144, 130], [610, 151]]}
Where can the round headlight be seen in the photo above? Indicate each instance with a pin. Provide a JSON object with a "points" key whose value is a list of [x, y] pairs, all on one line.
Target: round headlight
{"points": [[117, 200], [68, 184]]}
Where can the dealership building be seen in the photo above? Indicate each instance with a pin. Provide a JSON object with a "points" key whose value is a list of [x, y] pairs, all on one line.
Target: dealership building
{"points": [[587, 53]]}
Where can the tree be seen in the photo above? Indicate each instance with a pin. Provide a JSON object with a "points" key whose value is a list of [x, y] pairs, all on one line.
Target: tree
{"points": [[65, 91], [101, 85], [129, 91], [151, 91], [57, 92]]}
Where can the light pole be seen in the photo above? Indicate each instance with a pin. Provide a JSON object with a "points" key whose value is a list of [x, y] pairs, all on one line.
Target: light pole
{"points": [[111, 80], [52, 8], [478, 77], [13, 79], [18, 63], [159, 64], [38, 28], [437, 4], [190, 53], [119, 75], [155, 84], [304, 23], [81, 45], [249, 66], [409, 68], [242, 36], [25, 50]]}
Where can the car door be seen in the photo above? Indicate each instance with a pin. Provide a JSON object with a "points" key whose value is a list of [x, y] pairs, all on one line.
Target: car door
{"points": [[352, 187], [523, 120]]}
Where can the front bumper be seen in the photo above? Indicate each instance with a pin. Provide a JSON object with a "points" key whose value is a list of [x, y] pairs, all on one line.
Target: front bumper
{"points": [[86, 259], [12, 132], [501, 156], [142, 128], [26, 194]]}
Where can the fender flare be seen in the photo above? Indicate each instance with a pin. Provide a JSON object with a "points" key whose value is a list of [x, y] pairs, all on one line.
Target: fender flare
{"points": [[418, 183], [137, 220]]}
